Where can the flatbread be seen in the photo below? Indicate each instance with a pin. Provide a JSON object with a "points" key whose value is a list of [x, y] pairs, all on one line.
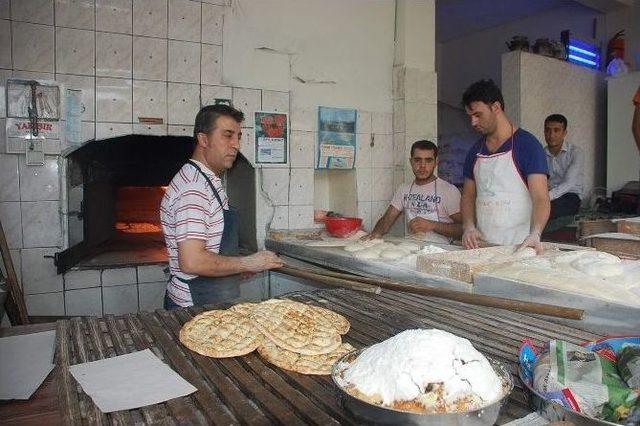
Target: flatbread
{"points": [[296, 327], [243, 308], [305, 364], [220, 334], [339, 322]]}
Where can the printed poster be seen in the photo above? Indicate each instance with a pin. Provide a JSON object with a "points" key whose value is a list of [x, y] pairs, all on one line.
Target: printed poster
{"points": [[271, 137], [336, 138]]}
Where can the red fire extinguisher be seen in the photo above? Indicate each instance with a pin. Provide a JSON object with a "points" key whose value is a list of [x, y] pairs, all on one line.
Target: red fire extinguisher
{"points": [[615, 48]]}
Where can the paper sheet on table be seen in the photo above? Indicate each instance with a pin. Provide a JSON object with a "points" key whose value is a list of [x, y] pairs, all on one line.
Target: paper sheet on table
{"points": [[25, 361], [129, 381]]}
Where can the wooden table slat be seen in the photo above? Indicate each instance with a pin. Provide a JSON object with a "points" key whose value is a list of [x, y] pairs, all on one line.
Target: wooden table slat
{"points": [[68, 398]]}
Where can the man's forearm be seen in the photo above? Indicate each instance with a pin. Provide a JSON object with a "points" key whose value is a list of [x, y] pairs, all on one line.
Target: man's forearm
{"points": [[208, 264], [382, 226], [468, 210], [451, 230], [540, 214]]}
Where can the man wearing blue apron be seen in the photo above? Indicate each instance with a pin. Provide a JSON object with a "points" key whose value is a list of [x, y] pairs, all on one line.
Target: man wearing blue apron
{"points": [[505, 198], [199, 226]]}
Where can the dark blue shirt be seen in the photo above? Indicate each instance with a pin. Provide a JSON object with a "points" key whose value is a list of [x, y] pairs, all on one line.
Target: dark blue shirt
{"points": [[528, 154]]}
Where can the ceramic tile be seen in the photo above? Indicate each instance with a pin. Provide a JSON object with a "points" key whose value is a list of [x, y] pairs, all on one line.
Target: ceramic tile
{"points": [[180, 130], [398, 116], [302, 149], [421, 119], [364, 184], [39, 183], [5, 45], [301, 187], [275, 101], [9, 176], [88, 131], [113, 100], [16, 260], [363, 122], [150, 18], [41, 225], [82, 278], [151, 295], [150, 129], [33, 75], [114, 16], [152, 273], [184, 62], [75, 51], [85, 302], [75, 14], [112, 130], [11, 223], [275, 182], [280, 218], [5, 9], [3, 141], [381, 151], [34, 11], [53, 146], [211, 69], [47, 304], [209, 94], [364, 212], [247, 145], [87, 85], [4, 75], [212, 22], [400, 157], [120, 300], [248, 101], [149, 99], [150, 58], [397, 85], [217, 2], [32, 47], [183, 102], [364, 150], [382, 184], [39, 274], [119, 276], [382, 123], [184, 20], [113, 55], [300, 217], [304, 119], [15, 146]]}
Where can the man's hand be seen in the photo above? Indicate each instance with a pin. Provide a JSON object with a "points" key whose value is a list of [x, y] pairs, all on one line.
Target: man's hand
{"points": [[371, 236], [261, 261], [420, 224], [533, 240], [471, 238]]}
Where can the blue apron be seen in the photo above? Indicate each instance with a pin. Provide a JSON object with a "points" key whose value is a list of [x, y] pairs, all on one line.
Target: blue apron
{"points": [[213, 290]]}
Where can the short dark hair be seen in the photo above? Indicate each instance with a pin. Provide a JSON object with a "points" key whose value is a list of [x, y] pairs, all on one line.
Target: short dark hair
{"points": [[485, 91], [207, 116], [426, 145], [557, 118]]}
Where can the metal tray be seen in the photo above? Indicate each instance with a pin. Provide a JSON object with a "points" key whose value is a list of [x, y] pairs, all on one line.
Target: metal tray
{"points": [[555, 412], [377, 414]]}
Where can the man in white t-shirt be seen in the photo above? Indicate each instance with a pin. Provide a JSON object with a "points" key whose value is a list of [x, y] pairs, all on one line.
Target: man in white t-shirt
{"points": [[431, 205]]}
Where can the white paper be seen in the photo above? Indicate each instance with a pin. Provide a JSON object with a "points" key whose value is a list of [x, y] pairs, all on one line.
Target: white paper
{"points": [[271, 150], [25, 361], [129, 381]]}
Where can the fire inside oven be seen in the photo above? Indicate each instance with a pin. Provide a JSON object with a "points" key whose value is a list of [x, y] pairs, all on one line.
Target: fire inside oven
{"points": [[138, 209]]}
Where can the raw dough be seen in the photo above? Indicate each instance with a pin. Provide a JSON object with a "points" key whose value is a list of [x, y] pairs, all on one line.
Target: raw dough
{"points": [[369, 253], [408, 245], [361, 245], [394, 253]]}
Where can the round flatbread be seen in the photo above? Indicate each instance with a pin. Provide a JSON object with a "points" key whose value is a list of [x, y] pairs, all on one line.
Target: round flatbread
{"points": [[305, 364], [243, 308], [220, 334]]}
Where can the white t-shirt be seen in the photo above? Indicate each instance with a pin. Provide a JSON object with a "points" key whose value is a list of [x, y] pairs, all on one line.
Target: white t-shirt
{"points": [[436, 200]]}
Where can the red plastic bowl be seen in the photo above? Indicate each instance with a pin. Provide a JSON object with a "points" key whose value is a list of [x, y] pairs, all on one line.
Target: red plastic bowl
{"points": [[342, 226]]}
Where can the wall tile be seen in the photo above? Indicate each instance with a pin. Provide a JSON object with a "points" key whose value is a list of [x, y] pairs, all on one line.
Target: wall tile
{"points": [[152, 273], [34, 11], [112, 130], [209, 94], [397, 85], [39, 183], [183, 103], [75, 14], [32, 47], [364, 184], [363, 122], [248, 101], [5, 47], [301, 187], [150, 129], [9, 176], [421, 119], [364, 151], [280, 218], [88, 131], [398, 116], [381, 154], [114, 16], [382, 123], [150, 18], [400, 157], [39, 274], [217, 2], [33, 75], [120, 299], [5, 9], [114, 100], [151, 295], [364, 212], [149, 58], [382, 184], [304, 119], [184, 62], [48, 304], [11, 223], [149, 99], [211, 69], [75, 51], [16, 259], [300, 217], [119, 276], [212, 22], [41, 224], [302, 149], [247, 145], [275, 182], [82, 278], [184, 20], [113, 55], [180, 130], [87, 85], [275, 101], [87, 301], [53, 146], [4, 75]]}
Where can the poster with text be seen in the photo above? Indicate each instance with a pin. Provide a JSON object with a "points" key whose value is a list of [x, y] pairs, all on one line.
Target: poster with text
{"points": [[271, 137], [336, 138]]}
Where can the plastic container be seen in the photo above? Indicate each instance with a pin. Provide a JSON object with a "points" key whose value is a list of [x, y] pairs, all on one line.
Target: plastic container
{"points": [[342, 227]]}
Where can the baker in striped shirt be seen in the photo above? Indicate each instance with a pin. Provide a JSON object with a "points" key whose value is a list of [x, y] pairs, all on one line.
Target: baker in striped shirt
{"points": [[199, 226]]}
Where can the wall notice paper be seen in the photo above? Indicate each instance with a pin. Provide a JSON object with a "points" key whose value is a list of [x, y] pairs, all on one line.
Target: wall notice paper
{"points": [[271, 135], [336, 138], [25, 361], [129, 381], [73, 109]]}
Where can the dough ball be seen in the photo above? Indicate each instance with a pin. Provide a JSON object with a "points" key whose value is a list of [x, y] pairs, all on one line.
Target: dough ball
{"points": [[408, 245], [394, 253], [353, 247], [368, 253], [524, 253]]}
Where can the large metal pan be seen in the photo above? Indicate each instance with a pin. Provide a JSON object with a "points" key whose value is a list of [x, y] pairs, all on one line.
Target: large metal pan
{"points": [[377, 414]]}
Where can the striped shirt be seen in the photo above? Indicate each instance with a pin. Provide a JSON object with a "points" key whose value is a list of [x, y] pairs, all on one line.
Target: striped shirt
{"points": [[190, 210]]}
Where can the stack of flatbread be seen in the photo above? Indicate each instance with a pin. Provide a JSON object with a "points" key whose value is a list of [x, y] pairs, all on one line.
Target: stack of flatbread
{"points": [[291, 335]]}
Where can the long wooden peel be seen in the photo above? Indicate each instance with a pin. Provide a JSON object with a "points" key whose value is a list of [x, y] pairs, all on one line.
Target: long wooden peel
{"points": [[375, 285]]}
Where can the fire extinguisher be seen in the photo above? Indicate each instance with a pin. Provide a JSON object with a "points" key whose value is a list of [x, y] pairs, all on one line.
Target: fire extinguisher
{"points": [[615, 48]]}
